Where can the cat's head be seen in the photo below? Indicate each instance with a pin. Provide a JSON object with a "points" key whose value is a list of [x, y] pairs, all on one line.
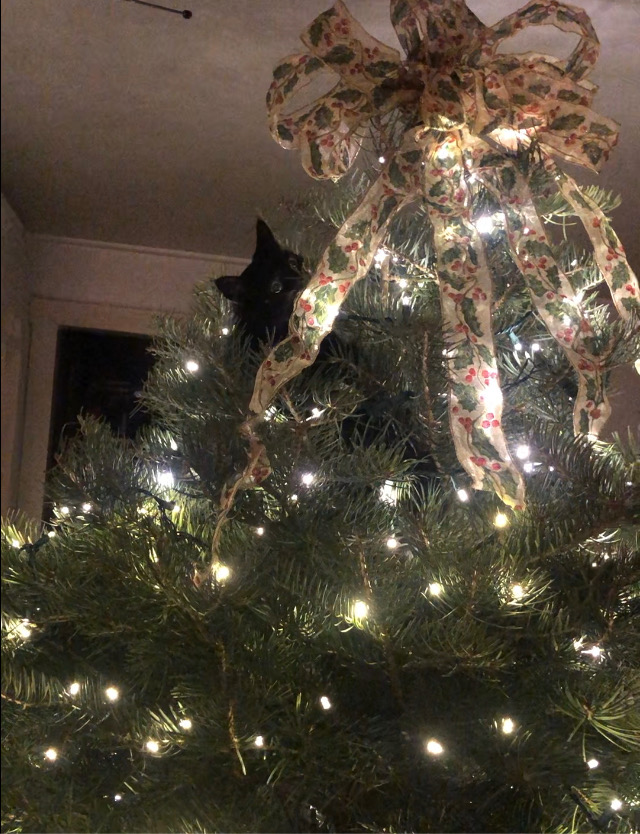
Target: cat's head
{"points": [[263, 295]]}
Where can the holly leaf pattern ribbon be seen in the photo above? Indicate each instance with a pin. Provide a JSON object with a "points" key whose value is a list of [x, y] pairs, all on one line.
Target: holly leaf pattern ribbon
{"points": [[467, 108]]}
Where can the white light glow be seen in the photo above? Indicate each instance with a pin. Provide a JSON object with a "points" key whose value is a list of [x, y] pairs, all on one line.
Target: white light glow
{"points": [[152, 746], [528, 467], [192, 366], [112, 693], [574, 262], [382, 160], [594, 651], [517, 591], [501, 520], [317, 412], [325, 703], [165, 478], [406, 300], [389, 493], [434, 747], [173, 445], [463, 495], [616, 804], [225, 331], [15, 543], [294, 498], [259, 741], [74, 688], [24, 629], [485, 224], [392, 543], [380, 256], [435, 588], [592, 764], [185, 723], [403, 283], [523, 451], [117, 797], [507, 726], [535, 347], [308, 478], [360, 609], [51, 533], [51, 754], [87, 507], [259, 531], [222, 573], [518, 346], [65, 510]]}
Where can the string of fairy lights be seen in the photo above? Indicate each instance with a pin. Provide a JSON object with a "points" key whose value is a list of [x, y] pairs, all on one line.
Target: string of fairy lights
{"points": [[515, 593], [161, 743]]}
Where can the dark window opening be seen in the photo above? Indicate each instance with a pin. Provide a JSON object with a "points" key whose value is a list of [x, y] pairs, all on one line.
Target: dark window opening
{"points": [[98, 373]]}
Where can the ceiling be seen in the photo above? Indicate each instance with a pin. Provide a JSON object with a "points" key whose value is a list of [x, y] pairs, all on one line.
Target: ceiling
{"points": [[127, 124]]}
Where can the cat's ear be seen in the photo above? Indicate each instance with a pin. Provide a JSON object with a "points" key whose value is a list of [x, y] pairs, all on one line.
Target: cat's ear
{"points": [[265, 241], [230, 286]]}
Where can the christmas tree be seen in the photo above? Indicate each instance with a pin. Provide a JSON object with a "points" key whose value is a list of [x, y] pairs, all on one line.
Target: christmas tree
{"points": [[371, 632]]}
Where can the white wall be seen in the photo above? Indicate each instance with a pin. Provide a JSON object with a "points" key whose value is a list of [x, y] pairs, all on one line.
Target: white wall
{"points": [[77, 283], [14, 335]]}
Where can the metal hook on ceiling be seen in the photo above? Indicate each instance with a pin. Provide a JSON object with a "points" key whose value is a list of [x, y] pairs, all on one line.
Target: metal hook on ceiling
{"points": [[184, 12]]}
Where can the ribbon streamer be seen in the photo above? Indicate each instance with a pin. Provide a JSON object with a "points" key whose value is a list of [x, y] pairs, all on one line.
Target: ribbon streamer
{"points": [[467, 109]]}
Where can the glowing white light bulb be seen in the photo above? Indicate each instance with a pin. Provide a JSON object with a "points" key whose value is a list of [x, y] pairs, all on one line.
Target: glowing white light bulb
{"points": [[594, 651], [65, 510], [518, 346], [434, 747], [435, 588], [485, 225], [51, 533], [74, 688], [165, 479], [592, 764], [294, 498], [380, 256], [392, 543], [259, 531], [403, 283], [523, 451], [259, 741], [535, 347], [185, 723], [381, 160], [501, 520], [616, 804], [316, 412], [117, 797], [112, 693], [517, 591], [389, 493], [173, 445], [463, 495], [15, 543], [24, 629], [528, 467], [152, 746], [325, 703], [525, 230], [308, 478], [87, 507], [574, 262], [222, 573], [360, 609], [507, 726], [192, 366], [225, 331], [51, 754]]}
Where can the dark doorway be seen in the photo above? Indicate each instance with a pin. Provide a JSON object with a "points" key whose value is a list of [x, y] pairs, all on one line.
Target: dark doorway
{"points": [[99, 373]]}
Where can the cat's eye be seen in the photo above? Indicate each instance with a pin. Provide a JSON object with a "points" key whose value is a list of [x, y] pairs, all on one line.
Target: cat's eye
{"points": [[294, 263], [276, 286]]}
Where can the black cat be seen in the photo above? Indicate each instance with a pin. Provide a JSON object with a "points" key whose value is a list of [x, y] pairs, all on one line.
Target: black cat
{"points": [[263, 295]]}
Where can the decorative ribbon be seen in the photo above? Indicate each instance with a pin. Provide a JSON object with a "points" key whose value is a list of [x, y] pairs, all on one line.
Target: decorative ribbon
{"points": [[466, 109]]}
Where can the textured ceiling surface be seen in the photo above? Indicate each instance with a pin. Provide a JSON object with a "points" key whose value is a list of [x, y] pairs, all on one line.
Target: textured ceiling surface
{"points": [[126, 124]]}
